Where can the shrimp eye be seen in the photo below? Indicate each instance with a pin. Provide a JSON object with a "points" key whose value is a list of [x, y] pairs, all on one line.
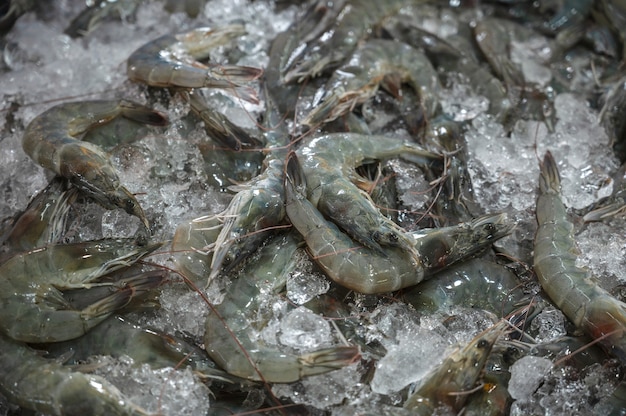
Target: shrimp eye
{"points": [[482, 344]]}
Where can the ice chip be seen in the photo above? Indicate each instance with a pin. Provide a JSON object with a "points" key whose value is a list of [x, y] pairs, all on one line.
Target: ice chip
{"points": [[526, 375]]}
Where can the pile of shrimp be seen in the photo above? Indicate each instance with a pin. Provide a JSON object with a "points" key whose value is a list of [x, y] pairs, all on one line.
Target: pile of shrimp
{"points": [[277, 208]]}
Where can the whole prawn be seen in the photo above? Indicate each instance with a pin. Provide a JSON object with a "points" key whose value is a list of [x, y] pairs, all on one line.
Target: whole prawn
{"points": [[367, 270], [52, 140], [35, 305], [171, 61], [227, 337], [573, 289]]}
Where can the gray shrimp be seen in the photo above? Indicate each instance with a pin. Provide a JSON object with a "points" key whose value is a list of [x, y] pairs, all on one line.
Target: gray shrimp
{"points": [[52, 140], [172, 61], [370, 271], [377, 62], [328, 163], [318, 53], [55, 293], [572, 289], [227, 337]]}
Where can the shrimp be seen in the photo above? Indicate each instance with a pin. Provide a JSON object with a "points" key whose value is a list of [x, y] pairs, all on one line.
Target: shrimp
{"points": [[117, 336], [43, 292], [458, 373], [228, 327], [329, 163], [247, 221], [367, 270], [51, 141], [377, 62], [46, 386], [572, 289], [171, 61], [354, 20], [43, 220]]}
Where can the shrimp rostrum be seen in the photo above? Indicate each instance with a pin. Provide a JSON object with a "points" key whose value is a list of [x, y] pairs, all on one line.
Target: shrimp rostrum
{"points": [[59, 292], [52, 140], [573, 289], [368, 270]]}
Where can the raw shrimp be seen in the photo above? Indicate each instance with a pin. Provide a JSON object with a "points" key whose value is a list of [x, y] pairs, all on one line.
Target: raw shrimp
{"points": [[451, 57], [377, 62], [51, 140], [34, 304], [353, 21], [247, 221], [368, 271], [171, 61], [46, 386], [229, 326], [448, 384], [572, 289], [117, 336], [329, 162]]}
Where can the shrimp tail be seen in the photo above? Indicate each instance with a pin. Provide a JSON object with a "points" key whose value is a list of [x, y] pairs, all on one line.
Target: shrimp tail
{"points": [[321, 361], [141, 114], [294, 174], [549, 179], [609, 211], [129, 290]]}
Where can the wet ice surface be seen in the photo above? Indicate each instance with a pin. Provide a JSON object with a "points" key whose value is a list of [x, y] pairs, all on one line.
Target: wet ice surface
{"points": [[165, 168]]}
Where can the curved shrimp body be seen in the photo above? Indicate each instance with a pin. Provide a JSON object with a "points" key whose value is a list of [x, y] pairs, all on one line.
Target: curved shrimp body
{"points": [[227, 337], [51, 140], [171, 61], [328, 163], [43, 221], [378, 62], [572, 289], [354, 19], [367, 270], [257, 206], [46, 386], [458, 373], [55, 293]]}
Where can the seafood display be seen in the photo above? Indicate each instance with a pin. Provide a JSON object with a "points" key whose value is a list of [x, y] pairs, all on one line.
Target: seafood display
{"points": [[312, 208]]}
